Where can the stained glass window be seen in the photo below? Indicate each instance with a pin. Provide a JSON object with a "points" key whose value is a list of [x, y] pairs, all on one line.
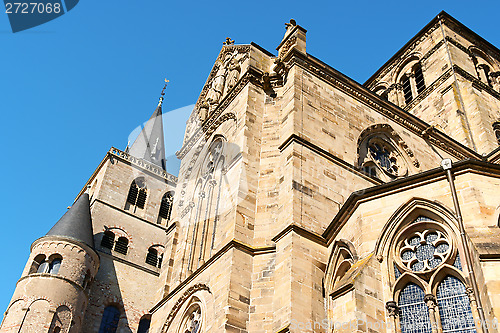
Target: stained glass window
{"points": [[397, 272], [454, 306], [425, 250], [383, 156], [458, 263], [414, 313]]}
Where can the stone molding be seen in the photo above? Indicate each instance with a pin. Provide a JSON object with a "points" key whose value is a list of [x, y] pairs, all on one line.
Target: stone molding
{"points": [[144, 165], [389, 110], [386, 128], [436, 174], [329, 156], [184, 297], [233, 244]]}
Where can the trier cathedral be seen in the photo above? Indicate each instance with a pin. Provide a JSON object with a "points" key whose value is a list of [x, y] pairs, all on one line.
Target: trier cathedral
{"points": [[305, 202]]}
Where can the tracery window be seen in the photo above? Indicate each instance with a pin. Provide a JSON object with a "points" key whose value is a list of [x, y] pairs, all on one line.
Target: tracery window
{"points": [[207, 200], [192, 320], [378, 156], [424, 251], [421, 251]]}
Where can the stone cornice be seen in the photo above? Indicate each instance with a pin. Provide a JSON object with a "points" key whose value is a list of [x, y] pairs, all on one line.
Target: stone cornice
{"points": [[329, 156], [156, 225], [350, 205], [126, 262], [312, 236], [389, 110], [143, 165], [51, 276], [233, 244]]}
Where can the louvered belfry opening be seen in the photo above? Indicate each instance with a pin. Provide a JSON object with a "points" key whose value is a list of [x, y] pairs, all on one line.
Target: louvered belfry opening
{"points": [[166, 207], [137, 195], [121, 245], [407, 89], [419, 79], [108, 240], [152, 257]]}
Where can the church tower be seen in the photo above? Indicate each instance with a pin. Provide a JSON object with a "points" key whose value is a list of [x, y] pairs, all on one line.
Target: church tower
{"points": [[52, 293]]}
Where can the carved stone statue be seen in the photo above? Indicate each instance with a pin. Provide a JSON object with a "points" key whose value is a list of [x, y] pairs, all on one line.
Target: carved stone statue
{"points": [[217, 85], [234, 70]]}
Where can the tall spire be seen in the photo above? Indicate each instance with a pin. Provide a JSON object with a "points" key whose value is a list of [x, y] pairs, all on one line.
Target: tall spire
{"points": [[150, 143]]}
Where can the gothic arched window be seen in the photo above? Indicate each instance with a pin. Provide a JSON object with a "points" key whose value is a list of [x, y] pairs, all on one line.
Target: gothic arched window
{"points": [[454, 306], [414, 314], [166, 207], [425, 254], [110, 318], [137, 195]]}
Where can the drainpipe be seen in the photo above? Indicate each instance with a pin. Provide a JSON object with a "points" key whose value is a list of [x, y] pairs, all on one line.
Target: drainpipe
{"points": [[446, 165]]}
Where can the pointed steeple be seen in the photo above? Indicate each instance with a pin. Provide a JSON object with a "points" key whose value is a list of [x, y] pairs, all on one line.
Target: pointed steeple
{"points": [[76, 223], [150, 144]]}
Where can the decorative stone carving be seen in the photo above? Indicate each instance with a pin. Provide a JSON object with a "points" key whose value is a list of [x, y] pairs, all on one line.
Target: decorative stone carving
{"points": [[228, 41], [424, 251], [392, 308], [175, 309], [430, 301]]}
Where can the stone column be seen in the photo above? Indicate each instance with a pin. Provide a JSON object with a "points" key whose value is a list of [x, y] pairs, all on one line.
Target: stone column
{"points": [[475, 313], [431, 302], [413, 84]]}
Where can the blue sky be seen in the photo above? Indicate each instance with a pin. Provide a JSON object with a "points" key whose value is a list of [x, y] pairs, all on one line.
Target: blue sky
{"points": [[74, 87]]}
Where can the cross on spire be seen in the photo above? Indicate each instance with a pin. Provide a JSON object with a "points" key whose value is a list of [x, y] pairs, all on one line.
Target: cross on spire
{"points": [[228, 41], [163, 92]]}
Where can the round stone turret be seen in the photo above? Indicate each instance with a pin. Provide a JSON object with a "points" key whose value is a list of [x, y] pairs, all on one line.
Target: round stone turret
{"points": [[51, 295]]}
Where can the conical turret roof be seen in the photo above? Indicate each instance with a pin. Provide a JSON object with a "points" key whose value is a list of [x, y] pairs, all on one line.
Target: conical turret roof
{"points": [[76, 223]]}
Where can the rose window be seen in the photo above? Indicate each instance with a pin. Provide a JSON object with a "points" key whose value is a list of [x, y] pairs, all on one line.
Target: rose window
{"points": [[424, 251]]}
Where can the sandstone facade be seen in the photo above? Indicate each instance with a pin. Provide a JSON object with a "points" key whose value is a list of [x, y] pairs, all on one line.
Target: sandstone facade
{"points": [[305, 202]]}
